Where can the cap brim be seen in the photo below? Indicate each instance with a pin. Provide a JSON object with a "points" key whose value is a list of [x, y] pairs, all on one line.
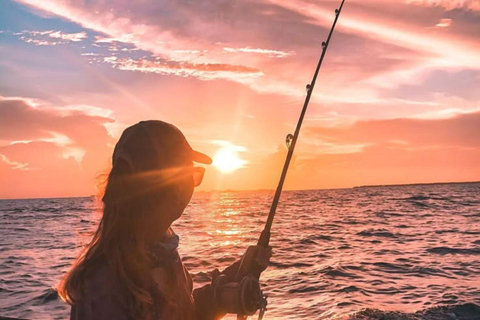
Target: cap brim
{"points": [[201, 157]]}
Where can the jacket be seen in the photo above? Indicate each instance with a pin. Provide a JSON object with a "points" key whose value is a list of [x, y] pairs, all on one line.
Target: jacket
{"points": [[104, 297]]}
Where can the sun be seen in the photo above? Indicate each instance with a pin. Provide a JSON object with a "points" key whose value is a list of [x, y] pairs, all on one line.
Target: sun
{"points": [[227, 160]]}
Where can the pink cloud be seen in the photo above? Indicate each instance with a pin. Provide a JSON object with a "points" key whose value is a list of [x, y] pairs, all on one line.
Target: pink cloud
{"points": [[448, 4], [454, 53], [270, 53], [30, 119], [444, 23], [392, 51], [200, 70], [459, 131]]}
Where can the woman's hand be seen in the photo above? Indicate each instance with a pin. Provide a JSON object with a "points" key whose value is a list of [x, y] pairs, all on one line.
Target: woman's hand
{"points": [[262, 257], [255, 260]]}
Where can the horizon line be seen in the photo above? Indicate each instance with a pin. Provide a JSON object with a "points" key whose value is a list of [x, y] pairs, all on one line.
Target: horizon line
{"points": [[272, 190]]}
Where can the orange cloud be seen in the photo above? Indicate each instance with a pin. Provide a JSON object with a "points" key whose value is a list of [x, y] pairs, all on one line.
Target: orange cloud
{"points": [[14, 164], [42, 145]]}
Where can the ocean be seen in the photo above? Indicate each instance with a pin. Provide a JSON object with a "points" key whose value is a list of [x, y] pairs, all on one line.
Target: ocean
{"points": [[393, 252]]}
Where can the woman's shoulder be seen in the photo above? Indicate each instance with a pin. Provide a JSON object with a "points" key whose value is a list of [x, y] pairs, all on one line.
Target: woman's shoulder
{"points": [[103, 297], [100, 280]]}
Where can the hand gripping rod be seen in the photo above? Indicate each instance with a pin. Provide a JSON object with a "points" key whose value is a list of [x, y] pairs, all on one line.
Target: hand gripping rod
{"points": [[292, 140]]}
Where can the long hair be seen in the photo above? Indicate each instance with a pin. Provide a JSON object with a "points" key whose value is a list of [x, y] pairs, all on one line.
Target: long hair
{"points": [[129, 201]]}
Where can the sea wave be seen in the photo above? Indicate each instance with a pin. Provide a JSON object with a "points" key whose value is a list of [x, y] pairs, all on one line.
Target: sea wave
{"points": [[467, 311]]}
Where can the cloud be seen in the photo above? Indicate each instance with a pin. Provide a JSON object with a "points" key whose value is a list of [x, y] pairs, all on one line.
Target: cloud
{"points": [[388, 47], [460, 131], [199, 70], [444, 23], [132, 24], [127, 38], [376, 47], [66, 147], [454, 53], [27, 119], [448, 4], [14, 164], [191, 35], [44, 38], [270, 53], [430, 86], [39, 42], [74, 37], [386, 60]]}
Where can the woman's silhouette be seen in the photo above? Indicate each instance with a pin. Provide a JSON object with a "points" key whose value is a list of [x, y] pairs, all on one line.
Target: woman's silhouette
{"points": [[131, 268]]}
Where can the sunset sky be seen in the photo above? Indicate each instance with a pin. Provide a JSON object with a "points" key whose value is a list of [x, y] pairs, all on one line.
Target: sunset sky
{"points": [[397, 99]]}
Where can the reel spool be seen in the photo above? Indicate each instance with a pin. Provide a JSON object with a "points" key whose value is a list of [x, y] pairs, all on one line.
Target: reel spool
{"points": [[241, 298]]}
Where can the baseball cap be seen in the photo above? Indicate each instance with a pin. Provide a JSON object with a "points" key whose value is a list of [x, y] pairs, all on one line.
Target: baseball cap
{"points": [[154, 144]]}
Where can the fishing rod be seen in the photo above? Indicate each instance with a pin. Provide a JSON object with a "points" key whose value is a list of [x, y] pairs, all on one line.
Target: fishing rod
{"points": [[244, 296], [291, 140]]}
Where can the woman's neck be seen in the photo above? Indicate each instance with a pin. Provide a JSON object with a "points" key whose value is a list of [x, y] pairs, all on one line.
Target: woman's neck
{"points": [[158, 234]]}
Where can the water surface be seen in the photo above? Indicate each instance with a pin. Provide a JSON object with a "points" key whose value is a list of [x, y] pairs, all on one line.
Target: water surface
{"points": [[403, 248]]}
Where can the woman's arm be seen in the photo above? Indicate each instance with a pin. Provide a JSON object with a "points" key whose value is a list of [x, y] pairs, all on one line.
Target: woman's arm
{"points": [[204, 301], [205, 304]]}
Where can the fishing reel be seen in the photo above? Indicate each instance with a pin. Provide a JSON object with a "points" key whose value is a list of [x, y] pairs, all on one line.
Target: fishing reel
{"points": [[243, 298]]}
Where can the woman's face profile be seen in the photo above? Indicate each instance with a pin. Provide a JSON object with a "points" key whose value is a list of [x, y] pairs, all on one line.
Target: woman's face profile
{"points": [[175, 198], [185, 187]]}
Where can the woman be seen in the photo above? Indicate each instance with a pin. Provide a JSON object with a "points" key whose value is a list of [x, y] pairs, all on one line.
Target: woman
{"points": [[131, 268]]}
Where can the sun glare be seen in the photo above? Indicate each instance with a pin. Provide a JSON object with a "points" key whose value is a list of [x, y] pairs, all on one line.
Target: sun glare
{"points": [[227, 160]]}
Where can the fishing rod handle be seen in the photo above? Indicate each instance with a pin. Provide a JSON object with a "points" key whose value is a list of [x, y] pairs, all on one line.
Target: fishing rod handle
{"points": [[248, 264], [264, 239]]}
